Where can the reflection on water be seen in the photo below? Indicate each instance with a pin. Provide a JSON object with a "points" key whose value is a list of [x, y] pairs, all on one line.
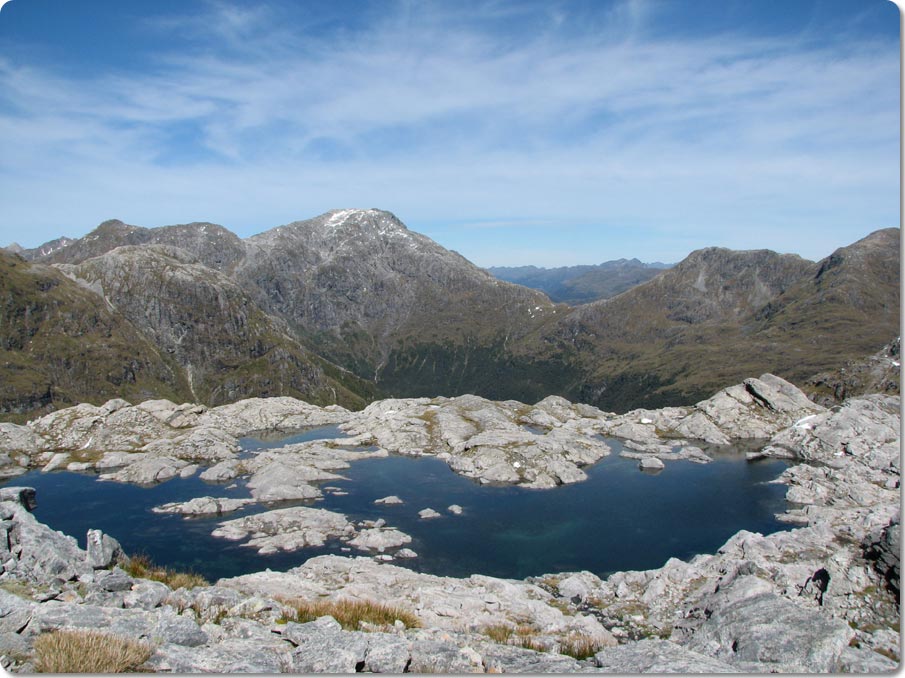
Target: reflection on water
{"points": [[618, 519]]}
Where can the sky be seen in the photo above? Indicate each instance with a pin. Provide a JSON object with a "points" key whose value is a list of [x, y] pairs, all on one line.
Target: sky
{"points": [[540, 132]]}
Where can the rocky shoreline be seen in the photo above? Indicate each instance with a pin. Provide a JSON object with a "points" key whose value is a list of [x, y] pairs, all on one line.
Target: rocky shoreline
{"points": [[822, 597]]}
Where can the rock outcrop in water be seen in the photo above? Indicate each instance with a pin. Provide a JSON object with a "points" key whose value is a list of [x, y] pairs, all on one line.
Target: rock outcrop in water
{"points": [[536, 446], [821, 597]]}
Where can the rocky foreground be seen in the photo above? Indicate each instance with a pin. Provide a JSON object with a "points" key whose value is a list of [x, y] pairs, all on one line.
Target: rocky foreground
{"points": [[821, 597]]}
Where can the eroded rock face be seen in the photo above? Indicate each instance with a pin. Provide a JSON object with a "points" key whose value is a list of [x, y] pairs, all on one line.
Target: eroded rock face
{"points": [[754, 409]]}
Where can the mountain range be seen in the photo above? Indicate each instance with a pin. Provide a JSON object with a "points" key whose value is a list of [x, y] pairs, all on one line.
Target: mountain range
{"points": [[581, 284], [351, 305]]}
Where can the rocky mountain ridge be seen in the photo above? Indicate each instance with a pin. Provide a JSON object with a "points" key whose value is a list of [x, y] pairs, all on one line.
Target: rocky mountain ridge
{"points": [[719, 314], [353, 303]]}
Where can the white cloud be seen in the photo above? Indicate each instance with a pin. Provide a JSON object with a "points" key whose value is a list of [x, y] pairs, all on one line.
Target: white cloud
{"points": [[438, 117]]}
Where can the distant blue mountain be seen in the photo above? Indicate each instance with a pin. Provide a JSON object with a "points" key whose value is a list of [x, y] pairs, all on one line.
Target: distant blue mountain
{"points": [[581, 284]]}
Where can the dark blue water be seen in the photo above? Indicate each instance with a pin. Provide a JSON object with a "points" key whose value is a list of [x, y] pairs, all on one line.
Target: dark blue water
{"points": [[619, 519], [270, 441]]}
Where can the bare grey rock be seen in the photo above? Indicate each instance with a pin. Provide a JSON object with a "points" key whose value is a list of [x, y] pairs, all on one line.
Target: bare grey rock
{"points": [[658, 656], [651, 464], [765, 630], [132, 623], [866, 427], [754, 409], [863, 660], [379, 539], [112, 426], [234, 655], [221, 472], [114, 580], [15, 439], [203, 506], [177, 416], [15, 612], [202, 444], [392, 499], [180, 630], [441, 602], [146, 594], [31, 551], [322, 647], [271, 414], [286, 529], [23, 496], [279, 481], [510, 659], [428, 513], [485, 440], [103, 550], [148, 471]]}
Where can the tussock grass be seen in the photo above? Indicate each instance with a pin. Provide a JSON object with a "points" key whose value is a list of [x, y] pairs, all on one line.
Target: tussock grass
{"points": [[77, 651], [523, 635], [576, 646], [141, 566], [349, 613], [498, 633], [579, 647]]}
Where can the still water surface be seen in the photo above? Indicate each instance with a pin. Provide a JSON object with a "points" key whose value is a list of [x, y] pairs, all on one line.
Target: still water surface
{"points": [[619, 519]]}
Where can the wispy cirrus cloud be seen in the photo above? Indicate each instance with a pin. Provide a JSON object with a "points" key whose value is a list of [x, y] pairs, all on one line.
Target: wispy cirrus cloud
{"points": [[505, 112]]}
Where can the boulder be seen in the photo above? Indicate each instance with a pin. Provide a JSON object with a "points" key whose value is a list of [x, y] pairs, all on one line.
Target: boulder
{"points": [[651, 464], [23, 496], [180, 630], [103, 550]]}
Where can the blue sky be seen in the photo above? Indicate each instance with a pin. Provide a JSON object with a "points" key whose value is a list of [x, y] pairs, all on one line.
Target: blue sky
{"points": [[548, 133]]}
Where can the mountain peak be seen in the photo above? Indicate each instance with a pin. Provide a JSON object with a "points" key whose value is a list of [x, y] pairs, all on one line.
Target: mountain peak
{"points": [[377, 221]]}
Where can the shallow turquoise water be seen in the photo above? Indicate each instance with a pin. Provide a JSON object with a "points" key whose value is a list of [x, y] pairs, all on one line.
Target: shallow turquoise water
{"points": [[619, 519]]}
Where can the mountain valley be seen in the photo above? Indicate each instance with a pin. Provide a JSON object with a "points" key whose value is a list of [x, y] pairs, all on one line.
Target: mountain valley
{"points": [[351, 305]]}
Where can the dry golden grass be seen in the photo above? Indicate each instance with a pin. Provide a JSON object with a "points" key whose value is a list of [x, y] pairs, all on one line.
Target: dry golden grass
{"points": [[76, 651], [579, 647], [523, 635], [141, 566], [498, 633], [350, 613]]}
